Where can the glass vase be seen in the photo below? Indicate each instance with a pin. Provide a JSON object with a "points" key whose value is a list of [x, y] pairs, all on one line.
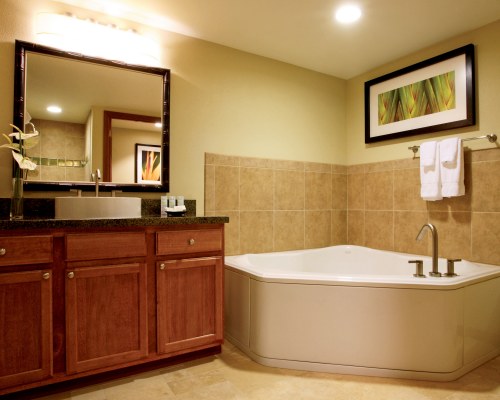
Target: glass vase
{"points": [[16, 201]]}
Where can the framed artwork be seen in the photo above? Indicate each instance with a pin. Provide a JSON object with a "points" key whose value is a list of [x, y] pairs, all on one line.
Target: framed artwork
{"points": [[147, 163], [432, 95]]}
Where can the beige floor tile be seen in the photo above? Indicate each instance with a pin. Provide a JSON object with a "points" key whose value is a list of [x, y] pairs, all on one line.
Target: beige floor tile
{"points": [[232, 375]]}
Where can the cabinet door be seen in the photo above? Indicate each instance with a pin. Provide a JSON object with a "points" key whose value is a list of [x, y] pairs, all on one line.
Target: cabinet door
{"points": [[190, 297], [106, 316], [25, 327]]}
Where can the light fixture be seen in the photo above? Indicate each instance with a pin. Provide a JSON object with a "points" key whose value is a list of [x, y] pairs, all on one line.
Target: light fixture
{"points": [[158, 124], [54, 109], [69, 33], [348, 14]]}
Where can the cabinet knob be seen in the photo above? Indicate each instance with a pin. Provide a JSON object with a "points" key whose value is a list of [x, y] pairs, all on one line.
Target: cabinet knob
{"points": [[71, 275], [162, 266], [3, 252], [46, 275], [191, 242]]}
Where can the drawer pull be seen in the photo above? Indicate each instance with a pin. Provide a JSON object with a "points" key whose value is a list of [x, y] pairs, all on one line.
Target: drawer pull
{"points": [[3, 252], [45, 275], [191, 242], [71, 275], [162, 266]]}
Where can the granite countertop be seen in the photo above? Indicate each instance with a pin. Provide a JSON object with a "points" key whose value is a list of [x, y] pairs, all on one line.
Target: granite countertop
{"points": [[39, 214], [50, 223]]}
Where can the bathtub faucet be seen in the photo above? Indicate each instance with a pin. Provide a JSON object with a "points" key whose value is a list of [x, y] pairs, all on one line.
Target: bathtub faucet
{"points": [[434, 234]]}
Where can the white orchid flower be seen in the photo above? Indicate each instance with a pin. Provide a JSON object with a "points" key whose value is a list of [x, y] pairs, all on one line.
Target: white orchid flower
{"points": [[25, 141]]}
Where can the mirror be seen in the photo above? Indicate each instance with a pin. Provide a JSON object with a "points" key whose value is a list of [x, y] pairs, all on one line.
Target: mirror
{"points": [[109, 111]]}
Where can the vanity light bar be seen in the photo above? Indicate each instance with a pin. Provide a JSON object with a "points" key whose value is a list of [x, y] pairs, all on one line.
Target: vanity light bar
{"points": [[69, 33]]}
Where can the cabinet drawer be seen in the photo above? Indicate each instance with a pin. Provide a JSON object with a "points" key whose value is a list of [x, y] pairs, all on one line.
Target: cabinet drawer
{"points": [[195, 241], [19, 250], [99, 246]]}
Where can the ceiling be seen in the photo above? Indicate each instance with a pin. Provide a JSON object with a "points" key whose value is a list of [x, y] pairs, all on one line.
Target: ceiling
{"points": [[304, 33]]}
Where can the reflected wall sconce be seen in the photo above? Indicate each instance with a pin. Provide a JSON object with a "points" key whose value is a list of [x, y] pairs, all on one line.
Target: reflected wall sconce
{"points": [[69, 33]]}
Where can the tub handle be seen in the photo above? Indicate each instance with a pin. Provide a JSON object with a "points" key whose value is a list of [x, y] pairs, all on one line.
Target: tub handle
{"points": [[450, 267], [419, 268]]}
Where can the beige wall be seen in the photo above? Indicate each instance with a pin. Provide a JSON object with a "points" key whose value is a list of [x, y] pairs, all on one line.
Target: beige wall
{"points": [[487, 47], [222, 100], [277, 205]]}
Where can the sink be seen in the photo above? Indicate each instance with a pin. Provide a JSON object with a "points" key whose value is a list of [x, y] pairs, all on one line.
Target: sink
{"points": [[97, 207]]}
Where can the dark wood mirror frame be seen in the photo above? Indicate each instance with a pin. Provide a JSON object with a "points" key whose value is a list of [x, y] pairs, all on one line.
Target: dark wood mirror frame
{"points": [[21, 48]]}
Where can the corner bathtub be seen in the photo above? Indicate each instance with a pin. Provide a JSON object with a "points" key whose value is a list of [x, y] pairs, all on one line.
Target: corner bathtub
{"points": [[355, 310]]}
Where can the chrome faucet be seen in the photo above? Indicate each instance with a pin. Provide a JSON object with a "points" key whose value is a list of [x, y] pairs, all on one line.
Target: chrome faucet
{"points": [[96, 177], [434, 233]]}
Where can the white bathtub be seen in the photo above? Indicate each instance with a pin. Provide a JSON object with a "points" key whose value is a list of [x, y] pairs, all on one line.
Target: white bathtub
{"points": [[354, 310]]}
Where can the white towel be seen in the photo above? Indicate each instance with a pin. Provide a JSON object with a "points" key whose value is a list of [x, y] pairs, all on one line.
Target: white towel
{"points": [[428, 153], [452, 172], [448, 150], [430, 175]]}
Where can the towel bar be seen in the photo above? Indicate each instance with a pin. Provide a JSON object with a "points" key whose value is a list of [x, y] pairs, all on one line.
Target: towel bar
{"points": [[491, 138]]}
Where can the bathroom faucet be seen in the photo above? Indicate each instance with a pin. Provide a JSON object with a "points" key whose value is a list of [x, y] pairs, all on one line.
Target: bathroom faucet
{"points": [[434, 233], [96, 177]]}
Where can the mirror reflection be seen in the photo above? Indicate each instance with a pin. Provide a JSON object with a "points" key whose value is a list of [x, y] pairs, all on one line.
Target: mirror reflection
{"points": [[91, 113]]}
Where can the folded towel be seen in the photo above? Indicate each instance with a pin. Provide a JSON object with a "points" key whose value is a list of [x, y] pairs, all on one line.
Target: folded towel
{"points": [[448, 150], [428, 153], [430, 175], [452, 173]]}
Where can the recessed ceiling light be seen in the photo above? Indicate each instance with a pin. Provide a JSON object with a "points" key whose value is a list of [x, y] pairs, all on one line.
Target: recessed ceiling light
{"points": [[54, 109], [348, 14]]}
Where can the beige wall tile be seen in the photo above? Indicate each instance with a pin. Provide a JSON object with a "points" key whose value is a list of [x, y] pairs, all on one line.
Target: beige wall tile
{"points": [[407, 190], [227, 193], [289, 190], [256, 232], [486, 238], [317, 229], [232, 233], [339, 191], [318, 167], [454, 232], [486, 186], [253, 162], [379, 166], [318, 192], [220, 159], [289, 230], [356, 192], [287, 164], [256, 189], [379, 190], [407, 225], [339, 227], [484, 155], [356, 227], [379, 229], [209, 188]]}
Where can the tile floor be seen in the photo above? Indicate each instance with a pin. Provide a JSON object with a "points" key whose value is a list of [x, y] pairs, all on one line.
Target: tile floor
{"points": [[231, 375]]}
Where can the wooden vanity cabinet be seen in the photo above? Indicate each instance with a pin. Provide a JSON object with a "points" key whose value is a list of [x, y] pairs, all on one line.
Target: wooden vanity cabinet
{"points": [[77, 302], [189, 310], [25, 309], [106, 300], [189, 290]]}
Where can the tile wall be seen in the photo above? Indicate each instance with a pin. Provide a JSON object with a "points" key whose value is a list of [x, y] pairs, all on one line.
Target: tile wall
{"points": [[60, 152], [284, 205]]}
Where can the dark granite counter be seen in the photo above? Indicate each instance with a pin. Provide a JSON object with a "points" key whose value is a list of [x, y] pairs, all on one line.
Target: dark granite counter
{"points": [[45, 223], [39, 214]]}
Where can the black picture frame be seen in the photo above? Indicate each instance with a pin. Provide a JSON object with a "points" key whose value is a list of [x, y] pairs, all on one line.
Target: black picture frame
{"points": [[387, 106]]}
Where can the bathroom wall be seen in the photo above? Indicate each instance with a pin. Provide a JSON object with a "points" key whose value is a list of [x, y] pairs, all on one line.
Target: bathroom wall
{"points": [[222, 101], [487, 49], [277, 205]]}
